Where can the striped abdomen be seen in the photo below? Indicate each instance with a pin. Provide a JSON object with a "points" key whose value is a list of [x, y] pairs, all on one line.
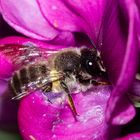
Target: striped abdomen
{"points": [[29, 78]]}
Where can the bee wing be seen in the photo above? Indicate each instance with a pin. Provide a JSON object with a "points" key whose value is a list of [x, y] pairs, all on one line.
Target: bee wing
{"points": [[23, 54], [19, 96], [41, 84]]}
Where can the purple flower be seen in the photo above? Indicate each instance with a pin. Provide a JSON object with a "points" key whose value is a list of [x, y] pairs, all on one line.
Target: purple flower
{"points": [[113, 26], [38, 119]]}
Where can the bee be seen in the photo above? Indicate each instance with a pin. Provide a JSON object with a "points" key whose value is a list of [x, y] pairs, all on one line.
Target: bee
{"points": [[70, 70]]}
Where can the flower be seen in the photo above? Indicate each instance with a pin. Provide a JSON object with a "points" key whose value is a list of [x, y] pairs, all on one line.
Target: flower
{"points": [[71, 17], [115, 33], [38, 119]]}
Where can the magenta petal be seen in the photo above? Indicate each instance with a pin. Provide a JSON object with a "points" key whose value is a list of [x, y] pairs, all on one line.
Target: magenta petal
{"points": [[124, 111], [39, 119], [23, 41], [54, 20], [6, 67], [26, 18], [120, 53], [137, 12], [75, 16], [53, 10], [64, 38]]}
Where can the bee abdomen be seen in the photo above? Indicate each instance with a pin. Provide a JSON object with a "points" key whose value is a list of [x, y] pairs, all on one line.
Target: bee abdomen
{"points": [[30, 75], [24, 76], [15, 83]]}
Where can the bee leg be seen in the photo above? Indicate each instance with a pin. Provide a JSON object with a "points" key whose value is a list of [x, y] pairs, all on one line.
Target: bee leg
{"points": [[19, 96], [99, 83], [70, 100], [46, 89], [103, 83]]}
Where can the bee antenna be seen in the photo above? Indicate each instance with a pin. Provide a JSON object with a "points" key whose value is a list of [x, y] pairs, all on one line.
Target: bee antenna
{"points": [[94, 82]]}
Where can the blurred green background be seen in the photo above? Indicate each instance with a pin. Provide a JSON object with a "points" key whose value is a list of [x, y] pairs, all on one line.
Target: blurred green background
{"points": [[9, 136]]}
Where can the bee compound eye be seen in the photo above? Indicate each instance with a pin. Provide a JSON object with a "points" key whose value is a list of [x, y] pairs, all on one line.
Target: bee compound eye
{"points": [[89, 63], [89, 66]]}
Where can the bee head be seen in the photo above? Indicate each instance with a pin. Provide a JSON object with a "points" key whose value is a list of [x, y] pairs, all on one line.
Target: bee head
{"points": [[90, 62]]}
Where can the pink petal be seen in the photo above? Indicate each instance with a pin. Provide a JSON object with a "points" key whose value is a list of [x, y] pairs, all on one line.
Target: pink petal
{"points": [[26, 18], [22, 41], [38, 119], [23, 16], [75, 15], [120, 55], [6, 67], [54, 20]]}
